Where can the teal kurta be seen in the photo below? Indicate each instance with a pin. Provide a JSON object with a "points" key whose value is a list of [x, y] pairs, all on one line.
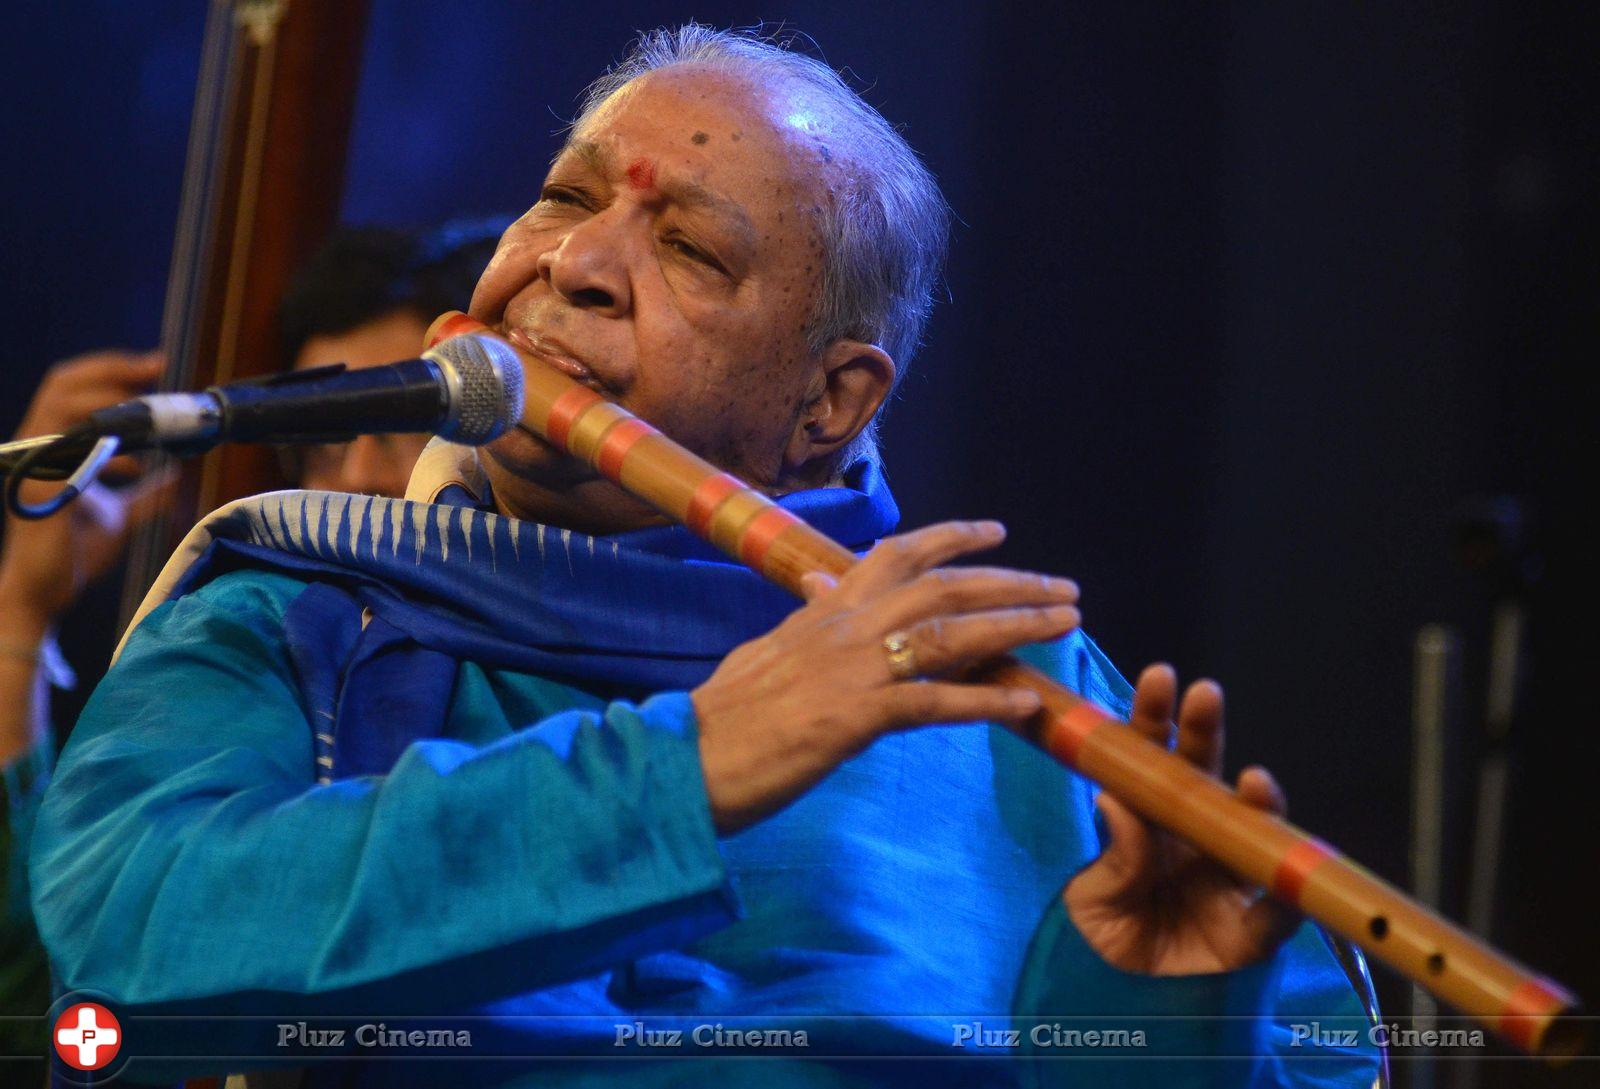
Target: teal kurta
{"points": [[24, 973], [546, 870]]}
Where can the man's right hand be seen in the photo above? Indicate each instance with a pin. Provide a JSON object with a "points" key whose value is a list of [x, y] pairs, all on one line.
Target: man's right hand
{"points": [[784, 710]]}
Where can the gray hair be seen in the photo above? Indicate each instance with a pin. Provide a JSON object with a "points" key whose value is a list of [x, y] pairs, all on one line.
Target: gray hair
{"points": [[885, 234]]}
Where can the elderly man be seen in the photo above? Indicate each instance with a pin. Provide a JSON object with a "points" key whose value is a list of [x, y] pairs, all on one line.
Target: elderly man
{"points": [[512, 770]]}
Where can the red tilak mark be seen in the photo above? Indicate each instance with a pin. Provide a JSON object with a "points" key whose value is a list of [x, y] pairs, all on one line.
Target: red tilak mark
{"points": [[1289, 879], [641, 175]]}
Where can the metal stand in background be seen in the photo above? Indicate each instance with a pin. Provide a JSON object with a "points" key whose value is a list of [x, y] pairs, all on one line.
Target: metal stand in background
{"points": [[1493, 542], [1496, 542], [1494, 771], [1494, 777], [1435, 700]]}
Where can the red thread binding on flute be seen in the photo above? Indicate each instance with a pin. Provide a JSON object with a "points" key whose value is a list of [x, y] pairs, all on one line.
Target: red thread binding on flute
{"points": [[1296, 865], [1526, 1007], [761, 532], [708, 495], [565, 412], [1072, 729], [615, 446], [456, 325]]}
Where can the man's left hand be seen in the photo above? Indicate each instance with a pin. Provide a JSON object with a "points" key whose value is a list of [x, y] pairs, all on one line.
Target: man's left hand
{"points": [[1153, 904]]}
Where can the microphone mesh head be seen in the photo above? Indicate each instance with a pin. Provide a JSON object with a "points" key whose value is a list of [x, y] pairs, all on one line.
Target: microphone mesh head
{"points": [[485, 380]]}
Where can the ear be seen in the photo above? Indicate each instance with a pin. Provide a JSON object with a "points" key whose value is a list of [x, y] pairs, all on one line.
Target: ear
{"points": [[850, 381]]}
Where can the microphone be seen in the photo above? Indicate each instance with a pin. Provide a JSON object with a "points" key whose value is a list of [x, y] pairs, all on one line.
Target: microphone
{"points": [[467, 389]]}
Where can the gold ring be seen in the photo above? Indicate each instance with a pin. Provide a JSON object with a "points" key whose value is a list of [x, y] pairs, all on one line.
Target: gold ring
{"points": [[902, 659]]}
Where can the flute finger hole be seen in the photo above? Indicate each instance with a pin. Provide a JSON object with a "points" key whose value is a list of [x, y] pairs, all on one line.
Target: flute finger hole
{"points": [[1436, 963], [1379, 927]]}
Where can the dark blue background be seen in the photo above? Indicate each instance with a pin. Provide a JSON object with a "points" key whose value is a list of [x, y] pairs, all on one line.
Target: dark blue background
{"points": [[1245, 300]]}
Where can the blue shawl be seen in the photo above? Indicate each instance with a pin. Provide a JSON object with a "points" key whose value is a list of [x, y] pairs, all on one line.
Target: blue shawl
{"points": [[650, 610]]}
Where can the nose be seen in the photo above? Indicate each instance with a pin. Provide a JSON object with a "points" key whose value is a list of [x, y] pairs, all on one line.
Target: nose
{"points": [[589, 267]]}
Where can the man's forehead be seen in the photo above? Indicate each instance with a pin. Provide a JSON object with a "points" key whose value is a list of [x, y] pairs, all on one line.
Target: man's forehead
{"points": [[692, 89], [747, 118], [595, 154], [641, 174]]}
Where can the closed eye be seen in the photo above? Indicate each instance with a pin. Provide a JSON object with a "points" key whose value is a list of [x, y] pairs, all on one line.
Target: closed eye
{"points": [[693, 252], [558, 194]]}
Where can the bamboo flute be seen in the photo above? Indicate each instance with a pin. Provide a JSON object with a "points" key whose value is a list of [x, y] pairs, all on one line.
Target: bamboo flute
{"points": [[1524, 1008]]}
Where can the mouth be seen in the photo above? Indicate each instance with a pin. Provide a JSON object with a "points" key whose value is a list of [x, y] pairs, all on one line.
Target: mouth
{"points": [[557, 355]]}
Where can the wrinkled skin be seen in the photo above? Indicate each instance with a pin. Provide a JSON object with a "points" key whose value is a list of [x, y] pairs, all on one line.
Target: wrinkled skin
{"points": [[672, 262]]}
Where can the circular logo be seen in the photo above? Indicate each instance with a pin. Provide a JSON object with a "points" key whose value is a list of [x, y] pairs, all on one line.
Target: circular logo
{"points": [[87, 1036]]}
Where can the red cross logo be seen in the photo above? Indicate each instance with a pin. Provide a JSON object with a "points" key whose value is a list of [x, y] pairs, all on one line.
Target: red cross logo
{"points": [[87, 1036]]}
